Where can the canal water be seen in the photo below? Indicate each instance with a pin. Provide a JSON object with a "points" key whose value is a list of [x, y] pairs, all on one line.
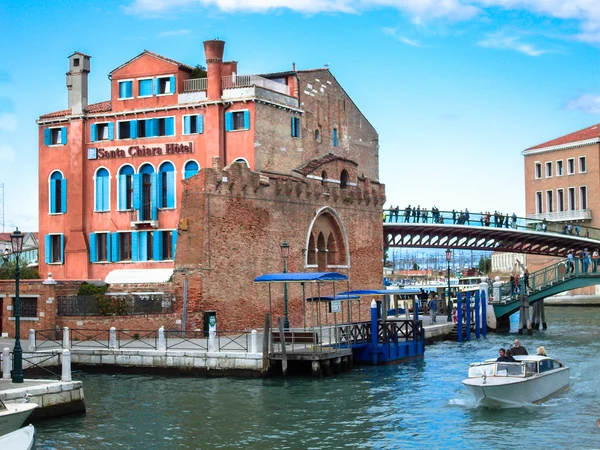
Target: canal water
{"points": [[413, 405]]}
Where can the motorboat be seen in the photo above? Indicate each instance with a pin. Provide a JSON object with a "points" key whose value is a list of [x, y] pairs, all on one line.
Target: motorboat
{"points": [[13, 415], [531, 379], [21, 439]]}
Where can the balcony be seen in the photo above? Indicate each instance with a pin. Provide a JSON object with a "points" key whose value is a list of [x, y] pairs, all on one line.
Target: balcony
{"points": [[236, 81], [563, 216]]}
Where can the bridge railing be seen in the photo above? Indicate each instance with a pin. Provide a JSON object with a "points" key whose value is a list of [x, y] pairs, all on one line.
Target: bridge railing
{"points": [[483, 219]]}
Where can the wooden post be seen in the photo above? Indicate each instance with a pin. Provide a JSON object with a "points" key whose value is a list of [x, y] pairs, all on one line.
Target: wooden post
{"points": [[282, 340], [543, 309], [266, 339], [526, 304], [522, 316]]}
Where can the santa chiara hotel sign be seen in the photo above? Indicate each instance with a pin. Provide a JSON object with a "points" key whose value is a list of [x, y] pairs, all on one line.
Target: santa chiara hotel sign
{"points": [[133, 151]]}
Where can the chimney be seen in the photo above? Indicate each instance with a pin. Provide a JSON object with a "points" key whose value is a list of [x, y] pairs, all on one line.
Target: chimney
{"points": [[213, 50], [77, 82]]}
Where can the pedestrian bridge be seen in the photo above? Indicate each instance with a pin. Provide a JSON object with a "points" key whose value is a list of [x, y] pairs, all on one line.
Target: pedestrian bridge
{"points": [[448, 229]]}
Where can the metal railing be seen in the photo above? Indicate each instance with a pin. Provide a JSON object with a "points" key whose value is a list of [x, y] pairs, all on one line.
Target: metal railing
{"points": [[195, 85], [115, 305], [235, 81], [312, 340], [577, 214]]}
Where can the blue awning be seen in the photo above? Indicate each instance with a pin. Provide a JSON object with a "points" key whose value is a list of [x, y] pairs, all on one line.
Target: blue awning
{"points": [[330, 298], [408, 291], [302, 277]]}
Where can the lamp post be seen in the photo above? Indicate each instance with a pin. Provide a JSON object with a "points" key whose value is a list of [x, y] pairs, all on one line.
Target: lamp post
{"points": [[16, 240], [285, 253], [448, 300]]}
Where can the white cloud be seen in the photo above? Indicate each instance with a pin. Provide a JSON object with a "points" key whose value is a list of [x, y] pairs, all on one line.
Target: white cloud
{"points": [[8, 122], [174, 33], [502, 41], [394, 33], [7, 153], [587, 103]]}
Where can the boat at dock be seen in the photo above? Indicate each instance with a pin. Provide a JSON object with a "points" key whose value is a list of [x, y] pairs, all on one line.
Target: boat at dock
{"points": [[13, 415], [531, 379], [21, 439]]}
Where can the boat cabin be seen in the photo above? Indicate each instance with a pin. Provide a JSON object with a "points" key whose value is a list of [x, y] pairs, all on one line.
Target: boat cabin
{"points": [[523, 367]]}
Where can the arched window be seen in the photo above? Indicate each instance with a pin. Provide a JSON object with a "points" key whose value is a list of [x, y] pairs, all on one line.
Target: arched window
{"points": [[327, 242], [166, 186], [242, 160], [318, 135], [125, 180], [58, 193], [323, 178], [145, 196], [344, 179], [190, 169], [102, 191]]}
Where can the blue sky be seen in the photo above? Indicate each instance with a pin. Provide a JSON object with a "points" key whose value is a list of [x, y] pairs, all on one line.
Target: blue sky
{"points": [[456, 88]]}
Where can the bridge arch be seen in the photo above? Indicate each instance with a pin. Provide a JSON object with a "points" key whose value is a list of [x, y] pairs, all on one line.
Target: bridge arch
{"points": [[327, 242]]}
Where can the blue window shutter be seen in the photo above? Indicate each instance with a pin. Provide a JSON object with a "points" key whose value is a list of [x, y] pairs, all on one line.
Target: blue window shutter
{"points": [[159, 188], [293, 127], [47, 136], [145, 87], [137, 191], [63, 138], [157, 244], [62, 248], [111, 131], [187, 124], [170, 126], [115, 247], [93, 249], [105, 193], [335, 137], [48, 248], [98, 205], [200, 123], [93, 132], [133, 124], [172, 85], [148, 127], [108, 247], [174, 242], [143, 244], [247, 120], [170, 190], [63, 192], [154, 192], [156, 87], [228, 121], [122, 89], [53, 196], [134, 246], [129, 88], [122, 191]]}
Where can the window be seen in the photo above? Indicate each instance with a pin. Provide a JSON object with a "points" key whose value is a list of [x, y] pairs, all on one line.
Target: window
{"points": [[572, 205], [146, 239], [102, 132], [237, 120], [166, 242], [570, 166], [28, 306], [318, 135], [160, 126], [582, 165], [145, 196], [125, 188], [549, 202], [55, 136], [344, 179], [538, 170], [58, 193], [549, 169], [335, 137], [102, 191], [191, 168], [75, 62], [583, 197], [54, 248], [122, 246], [99, 247], [295, 127], [323, 178], [538, 203], [559, 168], [560, 199], [193, 124], [164, 85], [166, 185], [145, 88], [125, 89], [128, 129]]}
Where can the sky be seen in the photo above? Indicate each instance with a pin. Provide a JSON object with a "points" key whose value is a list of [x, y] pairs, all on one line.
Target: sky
{"points": [[456, 89]]}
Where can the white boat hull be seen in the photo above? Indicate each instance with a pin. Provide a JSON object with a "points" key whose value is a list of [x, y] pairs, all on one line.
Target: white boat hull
{"points": [[509, 391], [21, 439], [14, 416]]}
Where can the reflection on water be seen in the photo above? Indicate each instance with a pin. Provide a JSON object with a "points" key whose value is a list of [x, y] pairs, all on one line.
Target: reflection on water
{"points": [[414, 405]]}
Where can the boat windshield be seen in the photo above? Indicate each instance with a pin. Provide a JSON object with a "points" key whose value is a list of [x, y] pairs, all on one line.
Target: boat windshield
{"points": [[504, 369], [478, 370]]}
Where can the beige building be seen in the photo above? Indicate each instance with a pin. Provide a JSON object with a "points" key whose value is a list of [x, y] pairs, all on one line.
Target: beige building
{"points": [[503, 262]]}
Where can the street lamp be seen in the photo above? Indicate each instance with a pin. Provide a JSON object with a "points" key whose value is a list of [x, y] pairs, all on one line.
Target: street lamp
{"points": [[16, 240], [285, 253], [448, 300]]}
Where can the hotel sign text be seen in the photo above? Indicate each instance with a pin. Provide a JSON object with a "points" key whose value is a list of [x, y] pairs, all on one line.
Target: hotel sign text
{"points": [[177, 148]]}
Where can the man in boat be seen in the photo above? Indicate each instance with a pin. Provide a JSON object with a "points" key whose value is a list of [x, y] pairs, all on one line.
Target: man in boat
{"points": [[502, 357], [509, 356], [518, 349]]}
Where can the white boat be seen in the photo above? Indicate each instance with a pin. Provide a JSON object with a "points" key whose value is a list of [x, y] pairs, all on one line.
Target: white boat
{"points": [[21, 439], [12, 416], [531, 379]]}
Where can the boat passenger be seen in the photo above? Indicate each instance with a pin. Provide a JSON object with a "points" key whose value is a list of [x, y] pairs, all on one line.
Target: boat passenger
{"points": [[502, 357], [541, 351], [518, 349], [509, 356]]}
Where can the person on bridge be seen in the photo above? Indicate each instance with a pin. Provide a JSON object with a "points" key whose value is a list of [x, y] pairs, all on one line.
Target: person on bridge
{"points": [[407, 214], [544, 225], [526, 279], [585, 260], [467, 216], [518, 349], [433, 307], [570, 262], [595, 261], [454, 217]]}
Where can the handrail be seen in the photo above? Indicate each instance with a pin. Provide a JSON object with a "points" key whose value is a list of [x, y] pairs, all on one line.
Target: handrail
{"points": [[482, 219]]}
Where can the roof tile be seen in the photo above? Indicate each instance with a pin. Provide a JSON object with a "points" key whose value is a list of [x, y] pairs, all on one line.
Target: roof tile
{"points": [[581, 135]]}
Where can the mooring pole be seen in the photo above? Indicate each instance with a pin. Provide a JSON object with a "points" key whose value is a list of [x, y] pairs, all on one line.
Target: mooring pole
{"points": [[459, 316], [543, 308], [477, 316], [468, 314], [374, 333], [484, 306]]}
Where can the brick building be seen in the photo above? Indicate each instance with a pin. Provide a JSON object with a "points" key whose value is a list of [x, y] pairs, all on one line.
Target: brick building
{"points": [[201, 176]]}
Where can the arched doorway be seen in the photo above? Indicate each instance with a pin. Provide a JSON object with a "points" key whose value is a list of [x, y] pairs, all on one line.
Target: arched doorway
{"points": [[327, 242]]}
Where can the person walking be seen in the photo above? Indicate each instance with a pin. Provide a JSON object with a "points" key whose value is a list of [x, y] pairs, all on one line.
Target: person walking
{"points": [[584, 260], [595, 261], [433, 308], [526, 280], [570, 262]]}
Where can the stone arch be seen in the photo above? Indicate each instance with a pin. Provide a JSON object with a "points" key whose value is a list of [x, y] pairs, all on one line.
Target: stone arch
{"points": [[327, 242]]}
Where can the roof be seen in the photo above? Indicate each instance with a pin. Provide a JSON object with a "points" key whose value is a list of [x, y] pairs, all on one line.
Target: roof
{"points": [[308, 277], [79, 53], [314, 164], [581, 135], [180, 65], [330, 298], [130, 276], [94, 108], [406, 291]]}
